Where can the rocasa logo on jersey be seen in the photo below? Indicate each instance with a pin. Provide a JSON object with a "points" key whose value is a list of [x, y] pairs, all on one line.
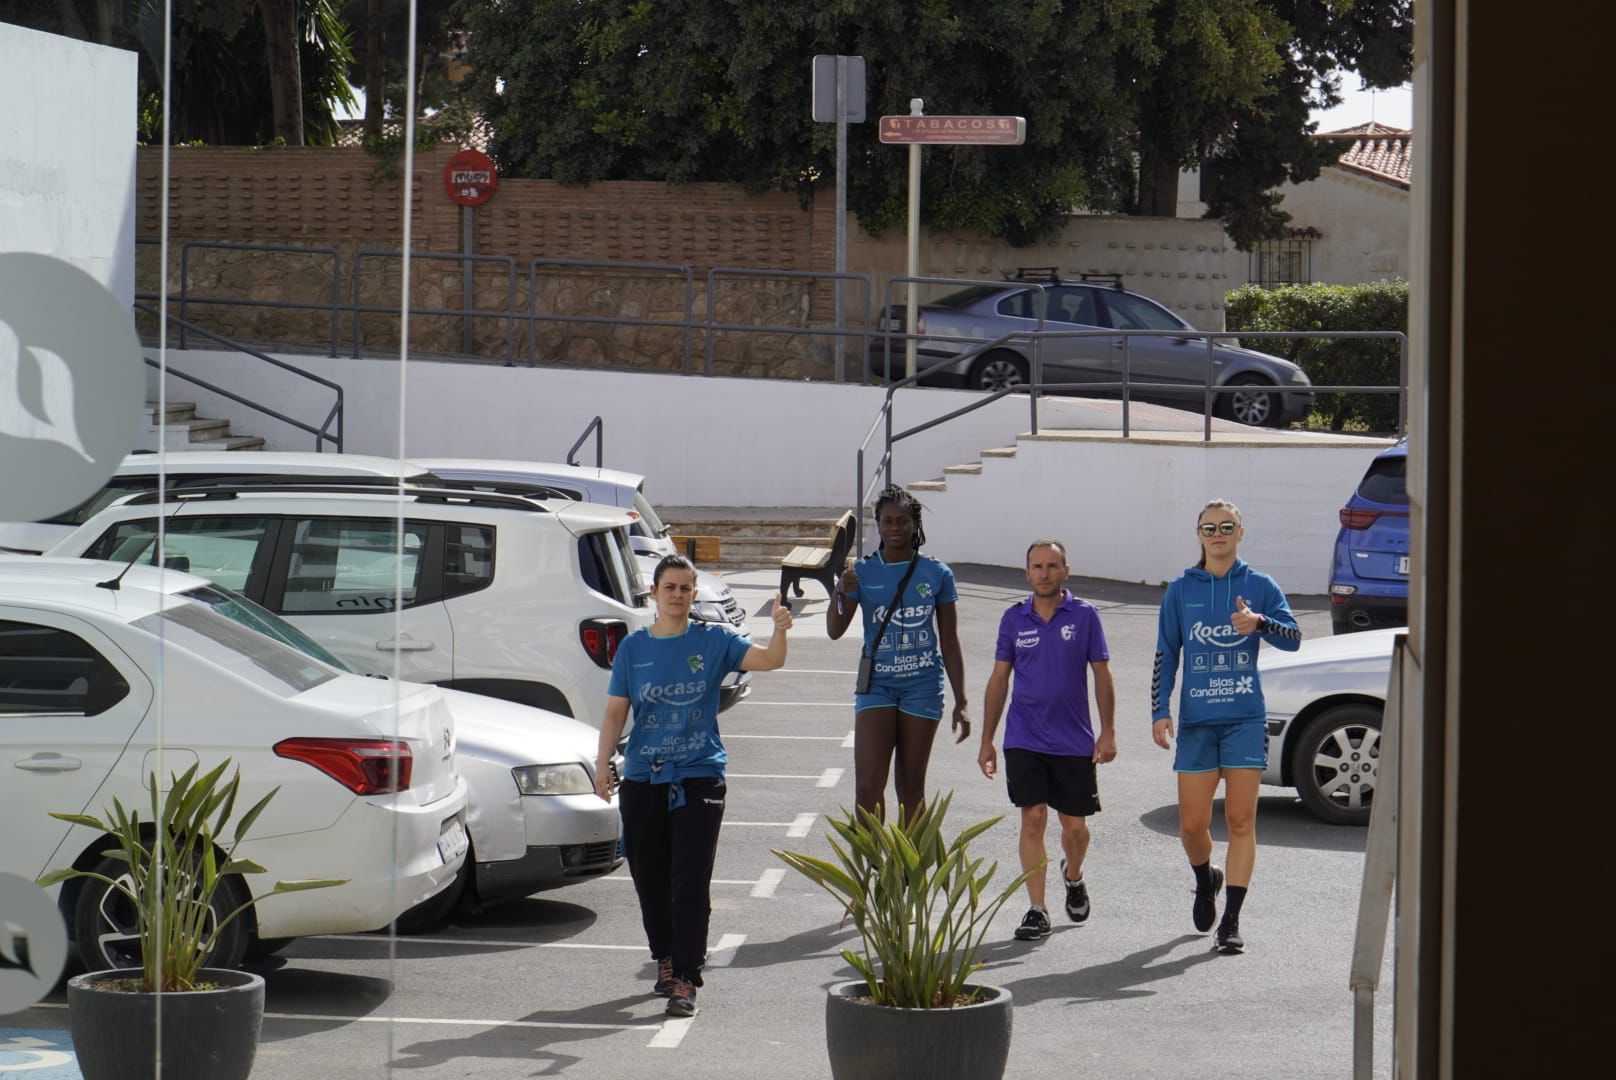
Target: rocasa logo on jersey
{"points": [[908, 615], [1222, 636], [673, 693]]}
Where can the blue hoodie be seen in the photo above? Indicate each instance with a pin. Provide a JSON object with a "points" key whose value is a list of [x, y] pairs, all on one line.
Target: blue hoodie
{"points": [[1221, 685]]}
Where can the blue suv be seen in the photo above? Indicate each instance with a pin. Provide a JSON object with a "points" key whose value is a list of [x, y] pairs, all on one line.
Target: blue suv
{"points": [[1369, 578]]}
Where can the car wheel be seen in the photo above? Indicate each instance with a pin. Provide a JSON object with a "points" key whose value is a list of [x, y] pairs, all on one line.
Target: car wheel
{"points": [[998, 370], [1258, 408], [1336, 763], [105, 930], [433, 912]]}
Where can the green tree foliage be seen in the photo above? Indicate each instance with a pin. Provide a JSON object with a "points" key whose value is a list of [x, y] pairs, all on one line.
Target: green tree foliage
{"points": [[1119, 95], [583, 90], [222, 80], [1378, 305], [381, 30]]}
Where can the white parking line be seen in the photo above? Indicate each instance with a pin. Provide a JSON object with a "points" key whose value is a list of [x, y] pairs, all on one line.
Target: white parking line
{"points": [[766, 884], [829, 778], [715, 881], [671, 1033], [658, 1026], [807, 738], [721, 954], [777, 776], [805, 704], [761, 824], [485, 943], [847, 743], [800, 827]]}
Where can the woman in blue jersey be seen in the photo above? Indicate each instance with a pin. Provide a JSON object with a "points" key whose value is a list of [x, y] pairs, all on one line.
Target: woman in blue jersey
{"points": [[908, 651], [671, 795], [1217, 614]]}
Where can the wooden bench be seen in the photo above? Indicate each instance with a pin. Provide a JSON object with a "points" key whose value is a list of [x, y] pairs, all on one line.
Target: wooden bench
{"points": [[821, 564], [699, 549]]}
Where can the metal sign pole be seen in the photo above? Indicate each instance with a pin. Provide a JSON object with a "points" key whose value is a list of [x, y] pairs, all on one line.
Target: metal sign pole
{"points": [[917, 107], [468, 287], [841, 210]]}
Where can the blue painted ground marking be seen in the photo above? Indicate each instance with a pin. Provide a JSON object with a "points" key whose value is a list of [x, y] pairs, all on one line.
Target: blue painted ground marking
{"points": [[37, 1054]]}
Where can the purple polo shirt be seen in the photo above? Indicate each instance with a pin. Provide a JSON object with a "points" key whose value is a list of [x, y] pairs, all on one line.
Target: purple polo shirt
{"points": [[1049, 695]]}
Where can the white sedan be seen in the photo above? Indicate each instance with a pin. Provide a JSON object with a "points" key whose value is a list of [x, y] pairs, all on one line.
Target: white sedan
{"points": [[110, 674], [1325, 703]]}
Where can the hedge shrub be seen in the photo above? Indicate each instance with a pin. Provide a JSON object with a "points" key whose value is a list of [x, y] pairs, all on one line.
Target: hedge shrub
{"points": [[1376, 305]]}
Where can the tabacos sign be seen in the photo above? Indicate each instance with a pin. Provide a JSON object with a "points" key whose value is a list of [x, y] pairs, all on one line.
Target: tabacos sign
{"points": [[72, 382]]}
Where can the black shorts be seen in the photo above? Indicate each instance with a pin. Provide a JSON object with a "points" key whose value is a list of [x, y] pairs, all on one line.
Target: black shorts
{"points": [[1066, 783]]}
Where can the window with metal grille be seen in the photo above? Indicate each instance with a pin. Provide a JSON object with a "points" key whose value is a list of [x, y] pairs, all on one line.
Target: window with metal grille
{"points": [[1282, 262]]}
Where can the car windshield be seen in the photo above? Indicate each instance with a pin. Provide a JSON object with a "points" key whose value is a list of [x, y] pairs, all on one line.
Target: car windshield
{"points": [[239, 609], [648, 515], [260, 660]]}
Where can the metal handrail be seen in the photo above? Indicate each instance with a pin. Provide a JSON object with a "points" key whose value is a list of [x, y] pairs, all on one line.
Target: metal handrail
{"points": [[322, 434], [1380, 874], [711, 326], [533, 315], [509, 314], [335, 305], [598, 426]]}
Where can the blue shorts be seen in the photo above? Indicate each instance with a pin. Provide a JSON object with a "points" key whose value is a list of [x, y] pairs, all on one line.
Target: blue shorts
{"points": [[914, 697], [1210, 747]]}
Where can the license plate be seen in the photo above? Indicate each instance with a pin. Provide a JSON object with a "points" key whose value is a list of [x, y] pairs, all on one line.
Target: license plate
{"points": [[1402, 564], [452, 841]]}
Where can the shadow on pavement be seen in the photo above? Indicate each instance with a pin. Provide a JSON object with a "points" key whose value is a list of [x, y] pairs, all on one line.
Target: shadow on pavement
{"points": [[1118, 980], [820, 942], [1282, 821], [346, 998], [531, 1045]]}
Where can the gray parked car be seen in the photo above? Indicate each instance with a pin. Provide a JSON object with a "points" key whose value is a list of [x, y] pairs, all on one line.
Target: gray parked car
{"points": [[1169, 370]]}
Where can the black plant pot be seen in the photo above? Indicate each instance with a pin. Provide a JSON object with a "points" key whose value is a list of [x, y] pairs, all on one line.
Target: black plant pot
{"points": [[876, 1042], [206, 1033]]}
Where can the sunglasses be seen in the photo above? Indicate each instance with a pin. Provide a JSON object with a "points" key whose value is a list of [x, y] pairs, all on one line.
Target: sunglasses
{"points": [[1209, 528]]}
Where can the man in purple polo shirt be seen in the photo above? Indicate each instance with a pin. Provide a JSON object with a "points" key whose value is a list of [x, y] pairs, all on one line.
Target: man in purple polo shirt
{"points": [[1049, 641]]}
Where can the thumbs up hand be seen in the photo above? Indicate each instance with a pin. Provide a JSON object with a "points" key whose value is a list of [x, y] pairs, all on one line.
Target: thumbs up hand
{"points": [[1244, 620]]}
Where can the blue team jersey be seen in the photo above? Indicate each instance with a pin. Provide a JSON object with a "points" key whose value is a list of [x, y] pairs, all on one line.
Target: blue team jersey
{"points": [[672, 685], [909, 649]]}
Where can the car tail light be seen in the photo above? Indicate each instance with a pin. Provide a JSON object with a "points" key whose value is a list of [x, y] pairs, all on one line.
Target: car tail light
{"points": [[600, 638], [1358, 519], [920, 323], [363, 766]]}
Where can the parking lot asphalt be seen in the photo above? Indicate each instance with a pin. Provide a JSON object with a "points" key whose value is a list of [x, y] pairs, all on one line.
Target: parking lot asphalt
{"points": [[559, 984]]}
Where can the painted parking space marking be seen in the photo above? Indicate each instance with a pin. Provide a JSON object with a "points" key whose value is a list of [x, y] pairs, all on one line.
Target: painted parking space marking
{"points": [[721, 954], [801, 826], [776, 776], [770, 881], [45, 1054], [797, 827], [830, 778], [801, 704], [801, 738], [481, 943], [847, 741], [670, 1033], [714, 881]]}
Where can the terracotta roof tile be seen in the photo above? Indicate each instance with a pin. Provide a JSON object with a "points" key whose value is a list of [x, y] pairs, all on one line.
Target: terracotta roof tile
{"points": [[1378, 151]]}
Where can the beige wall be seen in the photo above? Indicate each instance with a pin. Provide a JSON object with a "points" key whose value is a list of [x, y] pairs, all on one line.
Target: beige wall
{"points": [[1364, 222], [1185, 264]]}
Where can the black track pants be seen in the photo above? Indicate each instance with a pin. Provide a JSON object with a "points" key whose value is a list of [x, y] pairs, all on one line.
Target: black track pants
{"points": [[670, 855]]}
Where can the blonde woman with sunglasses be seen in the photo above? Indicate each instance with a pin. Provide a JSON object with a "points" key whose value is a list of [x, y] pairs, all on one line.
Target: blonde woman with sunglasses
{"points": [[1216, 616]]}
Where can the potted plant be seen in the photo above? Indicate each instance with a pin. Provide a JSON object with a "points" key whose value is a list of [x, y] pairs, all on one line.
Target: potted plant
{"points": [[921, 905], [210, 1017]]}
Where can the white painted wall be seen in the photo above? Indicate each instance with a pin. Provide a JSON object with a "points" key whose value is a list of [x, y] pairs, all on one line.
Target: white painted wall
{"points": [[1365, 225], [1126, 509], [67, 153]]}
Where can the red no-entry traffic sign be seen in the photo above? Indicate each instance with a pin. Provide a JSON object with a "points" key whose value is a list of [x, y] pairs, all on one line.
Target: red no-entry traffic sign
{"points": [[959, 130], [470, 178]]}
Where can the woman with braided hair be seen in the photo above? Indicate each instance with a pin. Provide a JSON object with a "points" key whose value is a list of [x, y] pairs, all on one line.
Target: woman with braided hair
{"points": [[911, 639]]}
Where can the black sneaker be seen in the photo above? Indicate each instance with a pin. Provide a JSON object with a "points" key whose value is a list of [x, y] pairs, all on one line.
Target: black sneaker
{"points": [[1077, 897], [682, 998], [1034, 925], [1205, 911], [664, 977], [1228, 940]]}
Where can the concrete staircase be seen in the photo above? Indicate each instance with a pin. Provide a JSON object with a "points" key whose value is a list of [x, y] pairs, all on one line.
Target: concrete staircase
{"points": [[179, 428], [751, 537]]}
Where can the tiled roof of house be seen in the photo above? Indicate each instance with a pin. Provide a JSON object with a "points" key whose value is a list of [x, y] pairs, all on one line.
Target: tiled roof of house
{"points": [[1378, 151]]}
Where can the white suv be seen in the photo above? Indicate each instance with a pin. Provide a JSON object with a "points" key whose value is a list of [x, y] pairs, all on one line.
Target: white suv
{"points": [[501, 595], [715, 602], [101, 686]]}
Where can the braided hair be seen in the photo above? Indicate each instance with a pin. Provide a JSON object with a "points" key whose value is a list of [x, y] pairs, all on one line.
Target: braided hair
{"points": [[903, 500]]}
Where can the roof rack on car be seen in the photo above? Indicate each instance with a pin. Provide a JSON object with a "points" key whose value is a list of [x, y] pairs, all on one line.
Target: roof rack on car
{"points": [[456, 496], [1115, 280], [1050, 274], [530, 489]]}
